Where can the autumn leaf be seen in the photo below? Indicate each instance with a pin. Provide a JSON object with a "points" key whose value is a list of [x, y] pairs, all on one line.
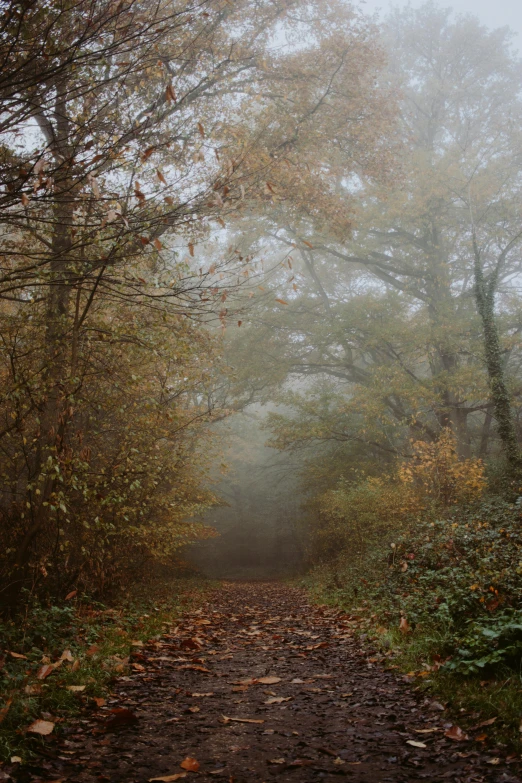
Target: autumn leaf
{"points": [[44, 671], [227, 719], [191, 248], [308, 244], [157, 244], [268, 680], [121, 716], [201, 129], [277, 699], [416, 744], [25, 199], [281, 301], [161, 176], [404, 626], [18, 655], [5, 710], [76, 688], [43, 727], [456, 733], [190, 764], [169, 778], [170, 95]]}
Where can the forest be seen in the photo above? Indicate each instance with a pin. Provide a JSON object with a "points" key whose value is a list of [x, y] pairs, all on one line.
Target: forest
{"points": [[260, 318]]}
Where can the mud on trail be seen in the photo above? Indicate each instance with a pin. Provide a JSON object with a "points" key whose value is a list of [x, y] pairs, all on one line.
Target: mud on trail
{"points": [[260, 686]]}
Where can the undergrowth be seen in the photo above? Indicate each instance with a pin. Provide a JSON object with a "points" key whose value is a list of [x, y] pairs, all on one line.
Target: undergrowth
{"points": [[55, 660], [443, 603]]}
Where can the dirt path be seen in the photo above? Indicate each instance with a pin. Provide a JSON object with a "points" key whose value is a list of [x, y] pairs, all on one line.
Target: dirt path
{"points": [[302, 702]]}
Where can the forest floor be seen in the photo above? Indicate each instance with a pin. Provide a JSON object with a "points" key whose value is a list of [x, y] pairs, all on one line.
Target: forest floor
{"points": [[259, 685]]}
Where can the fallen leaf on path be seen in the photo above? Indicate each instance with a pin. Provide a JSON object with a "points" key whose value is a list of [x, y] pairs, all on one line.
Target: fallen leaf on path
{"points": [[277, 761], [494, 761], [489, 722], [277, 699], [76, 688], [416, 744], [18, 655], [425, 731], [201, 695], [269, 680], [226, 719], [121, 716], [194, 668], [404, 626], [190, 764], [456, 733], [168, 778], [99, 701], [42, 727]]}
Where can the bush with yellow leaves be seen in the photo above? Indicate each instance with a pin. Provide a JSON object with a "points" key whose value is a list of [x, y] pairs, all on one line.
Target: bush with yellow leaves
{"points": [[438, 477]]}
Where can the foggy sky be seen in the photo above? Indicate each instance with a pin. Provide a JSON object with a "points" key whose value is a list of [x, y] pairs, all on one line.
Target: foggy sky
{"points": [[493, 13]]}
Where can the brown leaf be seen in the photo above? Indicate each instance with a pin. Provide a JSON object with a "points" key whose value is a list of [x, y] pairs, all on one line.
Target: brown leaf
{"points": [[42, 727], [201, 129], [269, 680], [25, 199], [5, 710], [157, 244], [416, 744], [489, 722], [70, 595], [44, 671], [160, 176], [76, 688], [18, 655], [281, 301], [191, 248], [168, 778], [277, 699], [239, 323], [456, 733], [190, 764], [308, 244], [226, 719], [121, 716], [170, 95], [404, 626]]}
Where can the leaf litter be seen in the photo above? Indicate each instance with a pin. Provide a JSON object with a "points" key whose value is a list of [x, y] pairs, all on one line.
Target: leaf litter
{"points": [[359, 723]]}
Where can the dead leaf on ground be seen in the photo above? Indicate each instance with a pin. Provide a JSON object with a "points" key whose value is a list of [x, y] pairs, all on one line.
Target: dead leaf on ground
{"points": [[416, 744], [45, 670], [404, 626], [456, 733], [18, 655], [226, 719], [268, 680], [76, 688], [190, 764], [168, 778], [121, 716], [5, 710], [277, 699], [42, 727]]}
